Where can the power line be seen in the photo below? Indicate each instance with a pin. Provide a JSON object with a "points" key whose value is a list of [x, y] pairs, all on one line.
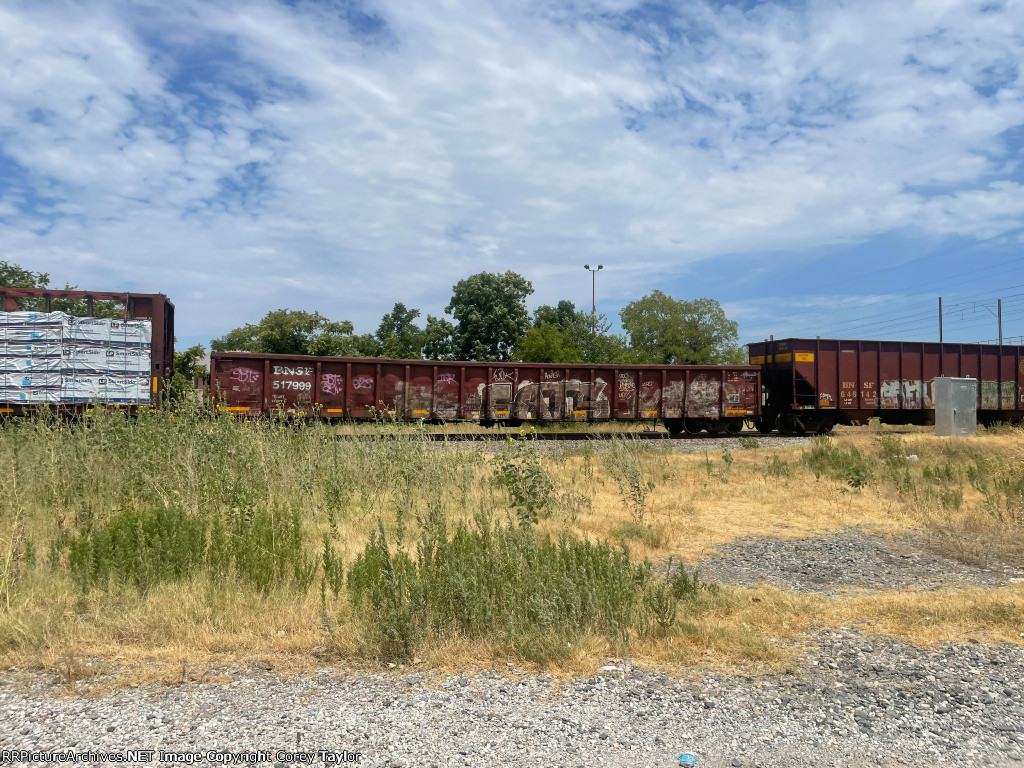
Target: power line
{"points": [[851, 302]]}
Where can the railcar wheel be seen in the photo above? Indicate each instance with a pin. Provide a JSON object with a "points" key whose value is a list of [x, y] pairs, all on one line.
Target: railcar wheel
{"points": [[734, 426], [763, 426], [692, 426], [674, 426]]}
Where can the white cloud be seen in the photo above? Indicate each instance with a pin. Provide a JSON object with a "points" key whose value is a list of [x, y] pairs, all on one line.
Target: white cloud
{"points": [[306, 166]]}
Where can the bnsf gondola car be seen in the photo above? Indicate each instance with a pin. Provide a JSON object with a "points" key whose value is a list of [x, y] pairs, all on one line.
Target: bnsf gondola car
{"points": [[813, 384], [683, 397]]}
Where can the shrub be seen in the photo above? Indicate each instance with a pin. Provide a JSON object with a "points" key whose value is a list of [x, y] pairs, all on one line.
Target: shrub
{"points": [[533, 597], [146, 547], [647, 534], [519, 471], [846, 465], [622, 461]]}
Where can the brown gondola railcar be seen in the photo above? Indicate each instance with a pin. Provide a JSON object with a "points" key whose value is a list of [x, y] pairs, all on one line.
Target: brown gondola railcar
{"points": [[813, 384], [684, 397]]}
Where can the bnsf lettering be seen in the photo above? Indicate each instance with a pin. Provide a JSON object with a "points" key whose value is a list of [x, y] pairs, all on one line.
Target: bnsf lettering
{"points": [[286, 370]]}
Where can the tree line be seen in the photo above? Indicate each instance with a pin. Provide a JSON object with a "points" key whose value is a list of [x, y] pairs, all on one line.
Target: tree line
{"points": [[489, 320]]}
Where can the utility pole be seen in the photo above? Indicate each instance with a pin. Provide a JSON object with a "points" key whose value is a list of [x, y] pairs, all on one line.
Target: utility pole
{"points": [[999, 308], [593, 286], [940, 319]]}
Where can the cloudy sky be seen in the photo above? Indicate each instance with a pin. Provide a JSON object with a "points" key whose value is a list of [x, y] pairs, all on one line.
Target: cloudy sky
{"points": [[820, 168]]}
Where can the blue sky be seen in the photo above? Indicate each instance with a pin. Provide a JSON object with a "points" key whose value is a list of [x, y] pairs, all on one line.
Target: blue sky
{"points": [[820, 168]]}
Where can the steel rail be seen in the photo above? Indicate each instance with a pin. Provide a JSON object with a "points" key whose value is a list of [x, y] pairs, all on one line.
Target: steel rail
{"points": [[465, 437]]}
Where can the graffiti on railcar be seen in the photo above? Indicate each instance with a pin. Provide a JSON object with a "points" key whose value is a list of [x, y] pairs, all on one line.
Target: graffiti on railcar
{"points": [[526, 399], [673, 395], [332, 383], [362, 382], [908, 393], [1008, 394], [702, 397], [245, 375], [990, 395], [650, 398]]}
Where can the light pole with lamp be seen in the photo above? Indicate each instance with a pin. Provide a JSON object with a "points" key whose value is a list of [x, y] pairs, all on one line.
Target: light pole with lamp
{"points": [[593, 286]]}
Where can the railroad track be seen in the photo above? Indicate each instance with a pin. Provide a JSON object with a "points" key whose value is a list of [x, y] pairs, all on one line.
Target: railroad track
{"points": [[465, 437]]}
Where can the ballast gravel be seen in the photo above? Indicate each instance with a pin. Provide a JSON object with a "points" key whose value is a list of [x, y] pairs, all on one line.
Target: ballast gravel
{"points": [[854, 700], [683, 445]]}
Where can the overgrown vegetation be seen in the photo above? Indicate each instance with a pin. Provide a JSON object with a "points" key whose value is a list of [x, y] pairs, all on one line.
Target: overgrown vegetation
{"points": [[189, 531], [533, 596]]}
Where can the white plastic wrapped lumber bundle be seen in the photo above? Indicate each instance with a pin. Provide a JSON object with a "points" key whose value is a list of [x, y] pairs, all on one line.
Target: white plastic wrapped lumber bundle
{"points": [[25, 327], [30, 388], [102, 330], [101, 358], [105, 388], [24, 357], [106, 360]]}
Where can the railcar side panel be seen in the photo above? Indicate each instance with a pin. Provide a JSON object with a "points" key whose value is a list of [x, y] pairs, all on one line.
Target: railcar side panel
{"points": [[891, 380], [626, 394], [361, 388], [474, 391], [527, 399], [331, 388]]}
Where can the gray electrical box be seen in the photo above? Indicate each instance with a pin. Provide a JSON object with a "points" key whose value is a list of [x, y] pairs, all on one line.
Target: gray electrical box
{"points": [[956, 406]]}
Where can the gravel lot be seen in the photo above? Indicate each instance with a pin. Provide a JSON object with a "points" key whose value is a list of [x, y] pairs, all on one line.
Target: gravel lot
{"points": [[855, 700], [849, 558]]}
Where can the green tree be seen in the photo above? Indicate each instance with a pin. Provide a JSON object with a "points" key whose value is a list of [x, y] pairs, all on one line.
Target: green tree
{"points": [[547, 343], [14, 276], [590, 334], [564, 334], [438, 340], [563, 314], [491, 316], [187, 367], [287, 332], [398, 335], [668, 331]]}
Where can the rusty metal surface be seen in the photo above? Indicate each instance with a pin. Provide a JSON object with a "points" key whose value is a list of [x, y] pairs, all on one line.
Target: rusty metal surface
{"points": [[137, 306], [853, 380], [361, 388]]}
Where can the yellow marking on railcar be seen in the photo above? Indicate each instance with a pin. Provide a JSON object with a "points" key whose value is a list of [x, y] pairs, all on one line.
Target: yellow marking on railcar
{"points": [[786, 357], [237, 408], [420, 413], [757, 360], [335, 410], [805, 357]]}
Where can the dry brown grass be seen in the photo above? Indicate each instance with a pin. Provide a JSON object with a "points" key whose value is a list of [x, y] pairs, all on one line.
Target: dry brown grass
{"points": [[196, 628]]}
